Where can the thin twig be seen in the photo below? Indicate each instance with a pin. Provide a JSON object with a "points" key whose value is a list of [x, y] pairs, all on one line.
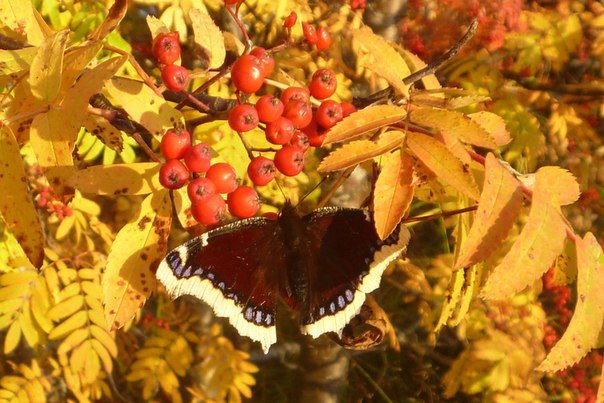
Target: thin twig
{"points": [[343, 176], [136, 66], [439, 215], [246, 38]]}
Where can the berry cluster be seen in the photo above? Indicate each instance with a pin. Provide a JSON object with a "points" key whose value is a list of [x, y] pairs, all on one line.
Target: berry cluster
{"points": [[166, 50], [207, 205], [53, 205]]}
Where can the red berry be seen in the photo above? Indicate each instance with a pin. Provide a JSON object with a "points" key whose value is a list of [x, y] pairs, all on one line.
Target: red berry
{"points": [[323, 84], [175, 144], [198, 158], [232, 2], [323, 39], [269, 108], [247, 74], [299, 113], [261, 170], [243, 118], [173, 174], [329, 113], [347, 108], [289, 160], [266, 60], [290, 20], [317, 140], [315, 134], [224, 177], [200, 189], [166, 47], [280, 131], [300, 140], [243, 202], [295, 94], [310, 33], [210, 211], [175, 77]]}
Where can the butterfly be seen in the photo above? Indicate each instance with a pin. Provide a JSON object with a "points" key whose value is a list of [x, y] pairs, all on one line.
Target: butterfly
{"points": [[322, 264]]}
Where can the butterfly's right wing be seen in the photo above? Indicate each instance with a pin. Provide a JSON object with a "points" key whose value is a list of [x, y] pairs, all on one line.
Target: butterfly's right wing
{"points": [[234, 269]]}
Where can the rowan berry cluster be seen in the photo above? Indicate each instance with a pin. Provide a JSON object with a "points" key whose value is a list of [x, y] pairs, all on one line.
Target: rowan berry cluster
{"points": [[166, 50], [53, 205]]}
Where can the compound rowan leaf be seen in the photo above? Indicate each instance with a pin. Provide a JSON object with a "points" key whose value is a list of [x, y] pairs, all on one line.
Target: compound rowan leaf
{"points": [[364, 121], [16, 205], [533, 252], [585, 326], [138, 247], [455, 123], [494, 125], [208, 37], [47, 67], [447, 167], [139, 178], [144, 105], [355, 152], [393, 192], [381, 58], [499, 205]]}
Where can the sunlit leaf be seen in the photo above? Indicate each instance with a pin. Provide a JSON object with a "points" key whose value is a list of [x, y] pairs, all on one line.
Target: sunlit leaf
{"points": [[20, 16], [494, 125], [15, 61], [111, 21], [47, 67], [118, 179], [208, 37]]}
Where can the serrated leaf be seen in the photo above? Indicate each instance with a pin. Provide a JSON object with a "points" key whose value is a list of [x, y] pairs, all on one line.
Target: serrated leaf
{"points": [[138, 247], [382, 59], [15, 61], [562, 185], [144, 106], [118, 179], [454, 123], [76, 321], [364, 121], [534, 251], [585, 326], [47, 67], [499, 205], [355, 152], [393, 192], [443, 163], [16, 205], [494, 125], [208, 37]]}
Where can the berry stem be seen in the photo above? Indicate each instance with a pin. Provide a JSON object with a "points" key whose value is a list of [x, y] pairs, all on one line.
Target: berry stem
{"points": [[147, 80], [223, 71], [246, 38]]}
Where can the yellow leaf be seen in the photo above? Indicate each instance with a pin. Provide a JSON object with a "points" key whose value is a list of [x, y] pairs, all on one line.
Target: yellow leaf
{"points": [[534, 251], [144, 106], [454, 123], [355, 152], [47, 67], [65, 227], [66, 308], [51, 140], [393, 192], [16, 205], [208, 37], [15, 61], [74, 322], [20, 16], [443, 163], [118, 179], [182, 206], [138, 247], [364, 121], [585, 326], [73, 340], [105, 339], [381, 58], [76, 59], [156, 26], [12, 338], [104, 131], [430, 82], [499, 205], [494, 125], [115, 15], [561, 185], [30, 331], [103, 355]]}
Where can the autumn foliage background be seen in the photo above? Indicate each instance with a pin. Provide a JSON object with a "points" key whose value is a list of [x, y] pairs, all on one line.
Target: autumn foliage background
{"points": [[502, 304]]}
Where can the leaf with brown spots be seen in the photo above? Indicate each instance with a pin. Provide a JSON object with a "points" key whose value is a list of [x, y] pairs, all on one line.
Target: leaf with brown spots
{"points": [[585, 326], [499, 205], [139, 178], [393, 192], [47, 67], [104, 131], [138, 247], [16, 204], [541, 240], [20, 16]]}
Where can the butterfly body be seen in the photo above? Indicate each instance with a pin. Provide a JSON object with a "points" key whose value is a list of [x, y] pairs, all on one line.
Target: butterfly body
{"points": [[322, 264]]}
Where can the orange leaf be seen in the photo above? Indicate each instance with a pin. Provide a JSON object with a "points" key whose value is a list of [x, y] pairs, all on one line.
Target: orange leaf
{"points": [[138, 247], [494, 125], [585, 326], [208, 37], [355, 152], [443, 163], [16, 203], [364, 121], [562, 185], [455, 123], [533, 252], [498, 207], [393, 192]]}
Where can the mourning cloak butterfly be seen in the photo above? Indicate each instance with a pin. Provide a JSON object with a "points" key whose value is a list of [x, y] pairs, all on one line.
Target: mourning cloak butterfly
{"points": [[322, 264]]}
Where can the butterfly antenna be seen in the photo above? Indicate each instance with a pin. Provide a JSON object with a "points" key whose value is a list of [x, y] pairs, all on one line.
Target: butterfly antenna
{"points": [[311, 190], [281, 190]]}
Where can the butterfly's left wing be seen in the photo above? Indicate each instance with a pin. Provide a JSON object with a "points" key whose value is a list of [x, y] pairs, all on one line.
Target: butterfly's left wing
{"points": [[346, 261], [234, 269]]}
